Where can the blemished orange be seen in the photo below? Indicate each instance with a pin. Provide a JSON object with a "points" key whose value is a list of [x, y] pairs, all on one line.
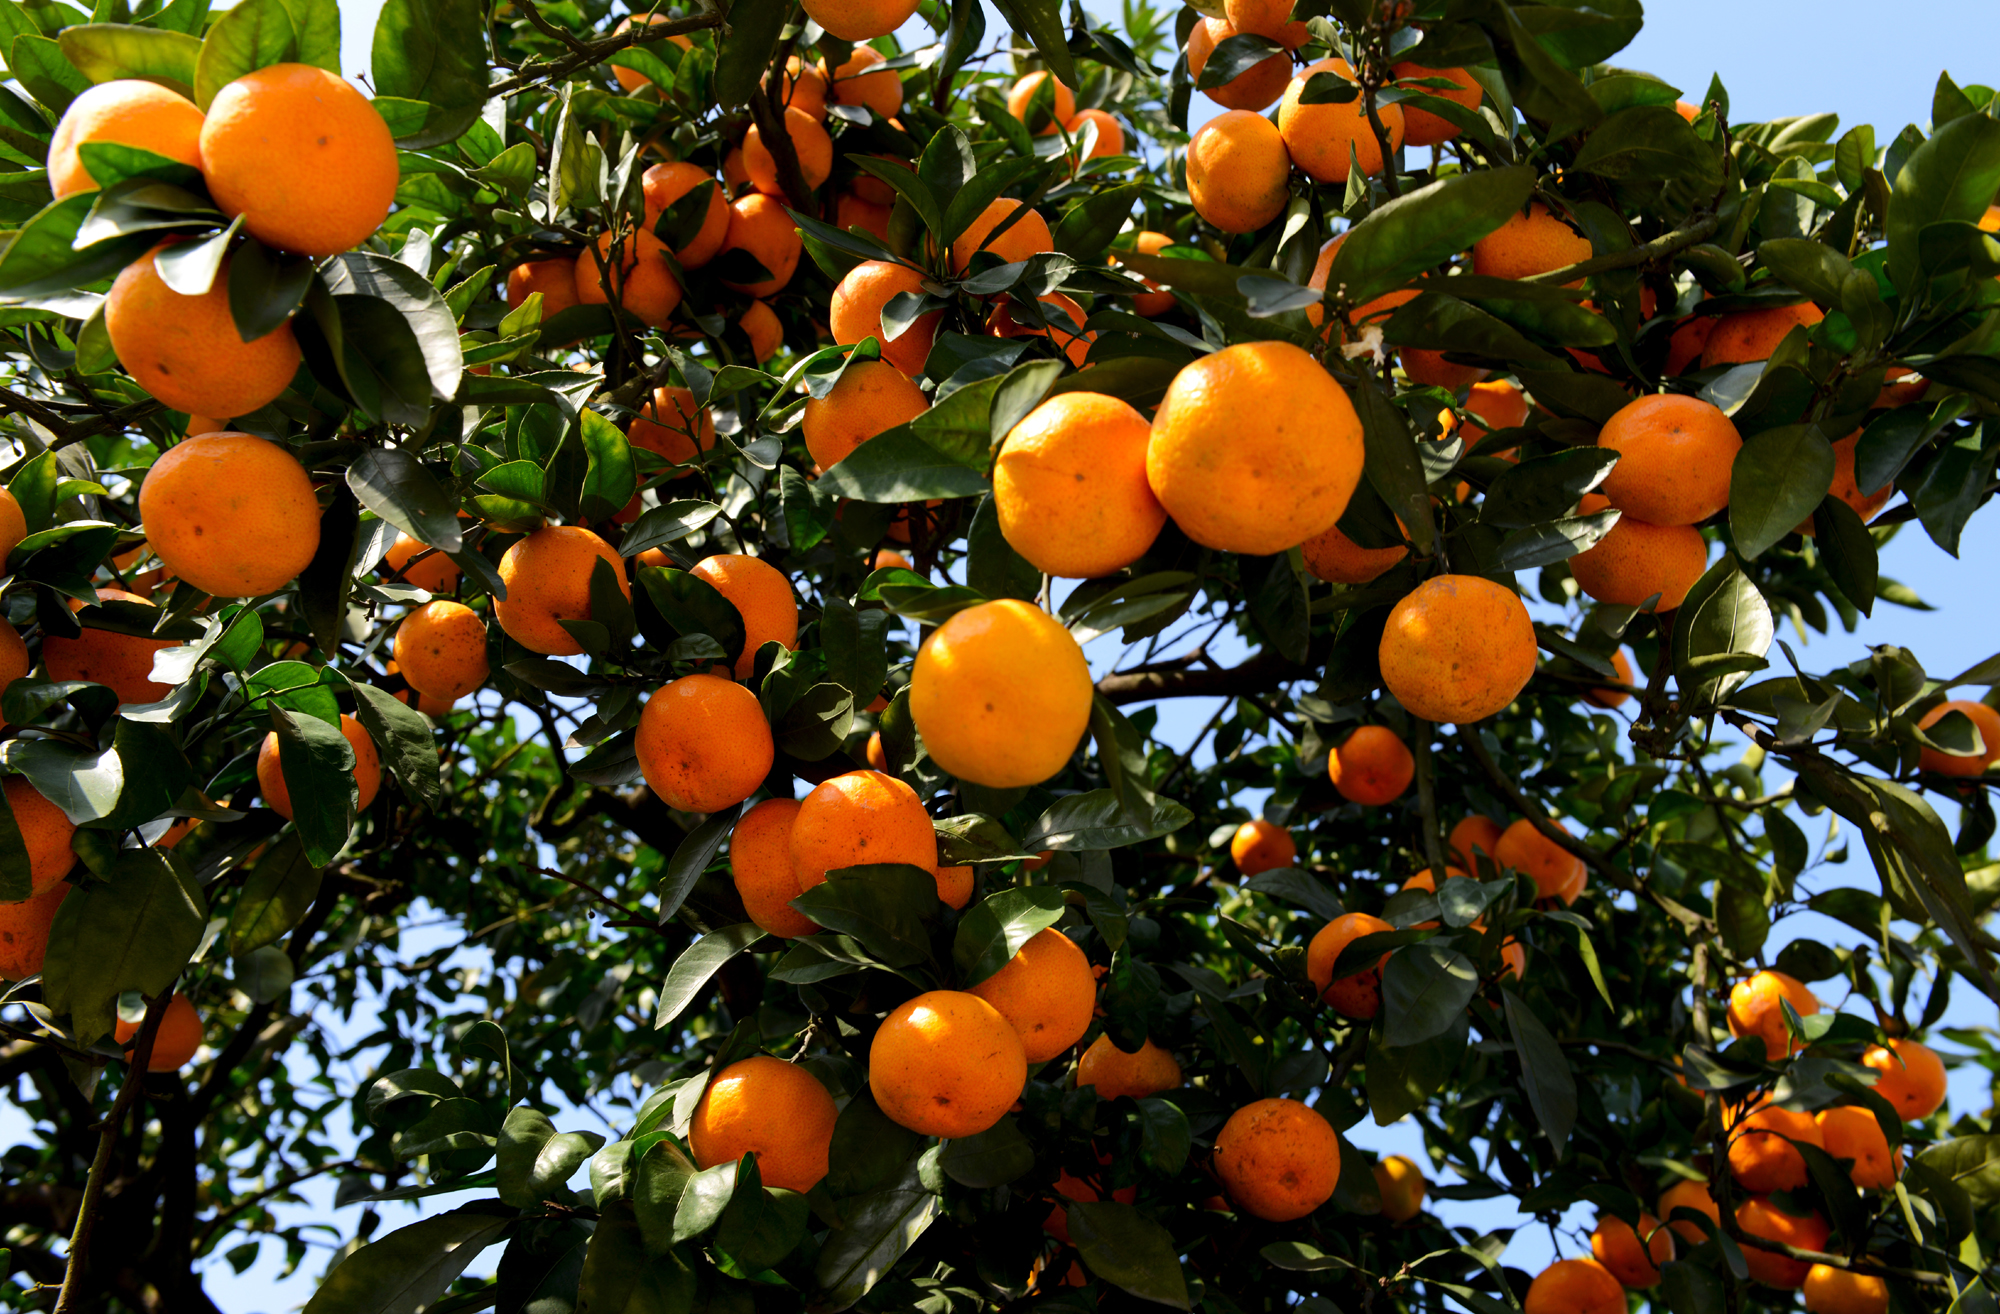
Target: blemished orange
{"points": [[1046, 992], [1633, 1257], [436, 573], [1851, 1133], [1023, 237], [1761, 1216], [1638, 560], [765, 1106], [871, 397], [1755, 1009], [1259, 845], [664, 184], [1575, 1286], [441, 649], [703, 743], [760, 864], [856, 313], [672, 426], [24, 931], [760, 324], [860, 20], [1530, 243], [1675, 454], [1911, 1077], [125, 112], [759, 225], [186, 351], [1159, 301], [1557, 873], [1238, 174], [1061, 103], [46, 832], [810, 143], [1475, 837], [955, 886], [1358, 996], [1762, 1156], [1114, 1074], [272, 140], [636, 276], [1401, 1186], [946, 1063], [1063, 324], [1278, 1159], [1458, 649], [1830, 1290], [122, 663], [1338, 559], [1372, 766], [367, 769], [1070, 489], [1110, 132], [1255, 449], [1866, 505], [1254, 89], [860, 818], [230, 514], [761, 595], [859, 82], [554, 279], [1420, 126], [1610, 697], [1323, 139], [1694, 1196], [1001, 694], [547, 576], [175, 1040], [1985, 718], [1747, 336]]}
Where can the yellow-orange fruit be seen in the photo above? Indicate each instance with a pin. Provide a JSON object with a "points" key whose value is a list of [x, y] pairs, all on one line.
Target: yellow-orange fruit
{"points": [[760, 863], [1061, 103], [1557, 873], [860, 20], [1530, 243], [871, 397], [1675, 454], [1113, 1073], [1023, 237], [1853, 1134], [1762, 1156], [664, 184], [860, 818], [636, 275], [631, 79], [773, 1109], [1372, 766], [554, 279], [1458, 649], [1110, 133], [186, 351], [124, 112], [760, 324], [810, 144], [1633, 1257], [946, 1063], [1985, 718], [122, 663], [367, 769], [1325, 139], [1255, 88], [1637, 560], [1911, 1076], [954, 886], [1609, 697], [859, 82], [853, 211], [802, 87], [1358, 996], [759, 225], [1238, 174], [1259, 845], [1420, 126], [1070, 486], [1756, 1008], [1401, 1185], [441, 649], [24, 931], [1761, 1216], [230, 514], [1278, 1159], [1159, 301], [761, 595], [1830, 1290], [175, 1040], [436, 573], [547, 576], [1574, 1286], [1474, 837], [1338, 559], [1046, 992], [1748, 336], [14, 661], [703, 743], [856, 313], [1001, 694]]}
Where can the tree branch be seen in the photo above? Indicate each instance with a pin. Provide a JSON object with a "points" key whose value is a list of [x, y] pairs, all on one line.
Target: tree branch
{"points": [[1537, 815], [596, 52], [1658, 249], [1261, 674]]}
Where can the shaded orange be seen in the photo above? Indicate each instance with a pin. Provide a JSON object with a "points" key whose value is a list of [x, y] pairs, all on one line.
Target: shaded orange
{"points": [[638, 273], [1158, 301], [1689, 1195], [946, 1063], [1557, 873], [1064, 325], [1401, 1186], [1985, 718], [1474, 835], [672, 426], [858, 82], [1762, 1217], [1622, 1252], [1912, 1075], [1575, 1286], [851, 211], [1001, 694], [46, 832], [955, 886], [664, 184], [277, 793], [122, 663], [1278, 1159], [1866, 505], [1830, 1290], [761, 595], [1752, 335], [441, 648], [1530, 243], [1358, 996], [802, 87], [1756, 1009], [1762, 1157], [1458, 649], [1372, 766], [1323, 139], [1023, 237], [1609, 697], [1420, 126], [1853, 1134], [1338, 559], [760, 864], [547, 577], [871, 397], [1259, 845], [759, 225], [24, 931], [1070, 487], [1255, 88], [1061, 104], [810, 144], [1113, 1073], [436, 573], [175, 1040], [765, 1106], [1110, 133], [760, 324], [186, 351]]}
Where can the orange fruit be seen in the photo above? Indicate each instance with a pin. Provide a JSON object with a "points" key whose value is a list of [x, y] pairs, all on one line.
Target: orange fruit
{"points": [[1371, 766], [1322, 139], [1752, 335], [810, 144], [1061, 104], [861, 818], [760, 324], [436, 573], [1575, 1286], [13, 524], [122, 663], [1420, 126], [1368, 313], [872, 397], [441, 648], [1159, 301], [946, 1063], [759, 225], [547, 576], [1238, 174], [367, 769], [631, 79], [1499, 403], [954, 886], [1252, 90], [1687, 111], [185, 350], [1259, 845], [1001, 694], [1762, 1157], [14, 660], [1431, 369], [1633, 1257], [761, 595], [1110, 133], [1866, 505], [45, 831], [767, 1107], [24, 931], [1046, 992], [886, 559], [274, 138], [1689, 1195], [1071, 1187], [1064, 325], [128, 112], [802, 88], [1902, 386], [554, 279], [1962, 764], [232, 515], [760, 863], [852, 211], [1830, 1290], [636, 276], [1458, 649], [1358, 996], [1401, 1185], [1756, 1009], [734, 176], [856, 313], [1475, 835], [703, 743], [1689, 340], [175, 1040], [671, 426], [860, 20], [1023, 237], [1674, 458], [1338, 559], [1557, 873], [1268, 18], [1070, 487], [1608, 697], [859, 82], [1853, 1134], [1761, 1216], [1113, 1073], [1278, 1159], [1912, 1077], [664, 184], [1637, 560], [1529, 243], [1255, 448]]}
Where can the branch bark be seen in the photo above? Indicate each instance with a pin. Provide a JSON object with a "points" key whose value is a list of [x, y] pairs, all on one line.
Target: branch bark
{"points": [[596, 52], [1658, 249], [1261, 674]]}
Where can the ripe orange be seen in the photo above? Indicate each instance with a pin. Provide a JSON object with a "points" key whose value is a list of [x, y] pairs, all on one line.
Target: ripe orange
{"points": [[1853, 1134], [1278, 1159], [1637, 560], [631, 79], [24, 931], [1401, 1184], [436, 573], [1902, 385], [1001, 694], [45, 831], [810, 144], [636, 276], [547, 576], [872, 397], [1322, 139], [1071, 1187], [761, 595], [859, 82], [1431, 369], [955, 886], [554, 279], [1762, 1157], [1358, 996], [1368, 313], [1689, 340], [1984, 717], [1371, 766], [856, 313], [1021, 97], [703, 743], [1070, 486], [232, 515], [367, 769], [946, 1063], [1046, 992], [1608, 697], [889, 559], [859, 819], [1761, 1216], [802, 88], [759, 225], [122, 663], [860, 20], [1634, 1261], [1420, 126], [1475, 835], [1575, 1286], [1159, 301], [1557, 873], [1458, 649], [1674, 458], [664, 184], [1064, 325], [1113, 1073], [760, 324], [1500, 404], [1694, 1196], [185, 350], [760, 863], [441, 648], [1752, 335], [1238, 174], [671, 426], [1755, 1010], [1252, 90], [1024, 237], [1338, 559], [13, 524], [1268, 18], [852, 211], [1912, 1077], [1110, 133], [1830, 1290], [129, 112], [1259, 845], [1866, 505], [773, 1109], [174, 1041], [1529, 243]]}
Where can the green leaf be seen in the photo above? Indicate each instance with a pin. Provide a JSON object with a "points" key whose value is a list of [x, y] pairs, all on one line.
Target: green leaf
{"points": [[1779, 478], [666, 523], [84, 783], [877, 1229], [103, 51], [1544, 1070], [1391, 461], [609, 480], [1722, 617], [1087, 227], [404, 736], [1543, 488], [1401, 1080], [318, 766], [431, 51], [1425, 987], [1128, 1250], [254, 34], [1097, 820], [41, 67], [899, 466], [1422, 229], [1849, 552], [397, 487], [523, 1133], [281, 887], [364, 278], [1954, 485], [882, 905], [133, 930], [412, 1268], [42, 260], [690, 605], [1647, 143], [992, 565], [993, 930], [1970, 1162], [699, 962], [1041, 22], [754, 27], [994, 1157], [265, 288], [1952, 176]]}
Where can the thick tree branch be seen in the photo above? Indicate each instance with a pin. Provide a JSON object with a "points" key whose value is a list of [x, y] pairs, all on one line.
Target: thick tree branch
{"points": [[1261, 674]]}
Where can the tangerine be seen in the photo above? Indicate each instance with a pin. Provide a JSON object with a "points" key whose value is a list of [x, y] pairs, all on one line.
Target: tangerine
{"points": [[810, 144], [1637, 560], [870, 397], [1675, 455], [24, 931], [435, 573], [175, 1040], [946, 1063], [1001, 694], [1763, 1149], [441, 648], [760, 864], [663, 185], [125, 112], [1911, 1074], [1324, 140], [1358, 996], [1338, 559], [1070, 489], [1259, 845], [860, 818], [1633, 1257], [761, 595], [1529, 243], [856, 313], [703, 743], [1575, 1286], [367, 770], [1420, 126], [1238, 173], [1762, 1218], [636, 276], [547, 577], [1114, 1074], [1372, 766], [1458, 649], [186, 350], [1985, 719], [1046, 992], [1278, 1159], [1557, 873], [1853, 1134], [1830, 1290], [232, 515], [775, 1110], [1747, 336], [1756, 1009], [122, 663], [759, 225]]}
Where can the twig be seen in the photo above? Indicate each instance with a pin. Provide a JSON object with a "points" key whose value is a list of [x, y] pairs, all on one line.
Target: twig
{"points": [[1658, 249], [1537, 816], [547, 28], [596, 52], [1427, 798]]}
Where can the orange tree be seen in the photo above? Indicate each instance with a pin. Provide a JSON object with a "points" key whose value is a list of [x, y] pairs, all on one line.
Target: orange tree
{"points": [[634, 492]]}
